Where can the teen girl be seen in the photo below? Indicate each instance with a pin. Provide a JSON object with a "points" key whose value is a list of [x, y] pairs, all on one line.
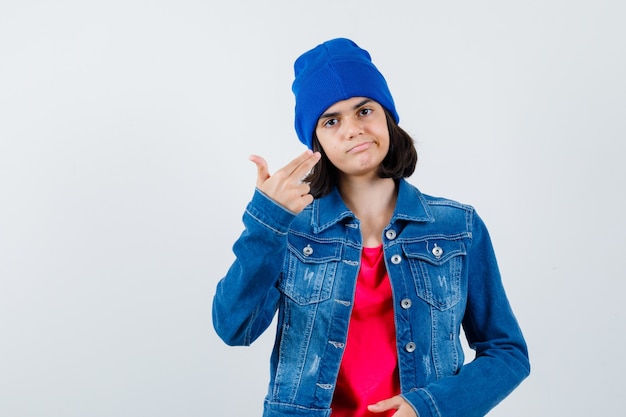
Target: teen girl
{"points": [[372, 280]]}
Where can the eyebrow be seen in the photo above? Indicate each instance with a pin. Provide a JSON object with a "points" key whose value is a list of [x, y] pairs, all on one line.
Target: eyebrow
{"points": [[356, 106]]}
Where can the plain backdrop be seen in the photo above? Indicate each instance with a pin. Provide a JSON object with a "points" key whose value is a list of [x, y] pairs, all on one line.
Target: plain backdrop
{"points": [[125, 131]]}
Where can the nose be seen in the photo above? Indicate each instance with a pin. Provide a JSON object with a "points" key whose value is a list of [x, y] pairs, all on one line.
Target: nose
{"points": [[352, 127]]}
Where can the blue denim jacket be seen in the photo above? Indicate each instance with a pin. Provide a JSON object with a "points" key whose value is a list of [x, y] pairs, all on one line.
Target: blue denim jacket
{"points": [[443, 275]]}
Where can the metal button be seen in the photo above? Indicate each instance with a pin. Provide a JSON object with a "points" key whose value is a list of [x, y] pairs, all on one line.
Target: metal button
{"points": [[406, 303], [390, 234], [410, 347], [437, 251], [308, 250], [396, 259]]}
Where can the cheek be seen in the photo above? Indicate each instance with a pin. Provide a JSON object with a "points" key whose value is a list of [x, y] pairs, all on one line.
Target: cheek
{"points": [[385, 140], [331, 152], [326, 142]]}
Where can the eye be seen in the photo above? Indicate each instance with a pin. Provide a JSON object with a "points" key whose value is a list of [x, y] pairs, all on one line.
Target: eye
{"points": [[365, 111], [330, 123]]}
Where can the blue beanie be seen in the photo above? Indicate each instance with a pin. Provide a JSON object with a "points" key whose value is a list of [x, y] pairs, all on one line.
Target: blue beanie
{"points": [[333, 71]]}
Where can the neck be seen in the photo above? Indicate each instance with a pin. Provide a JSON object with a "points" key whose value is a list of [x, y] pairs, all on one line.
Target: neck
{"points": [[368, 195], [373, 202]]}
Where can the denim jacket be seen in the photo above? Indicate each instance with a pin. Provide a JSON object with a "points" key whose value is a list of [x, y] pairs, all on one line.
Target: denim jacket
{"points": [[443, 275]]}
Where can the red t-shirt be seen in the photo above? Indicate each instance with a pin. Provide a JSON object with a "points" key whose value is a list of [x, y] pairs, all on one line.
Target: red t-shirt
{"points": [[369, 368]]}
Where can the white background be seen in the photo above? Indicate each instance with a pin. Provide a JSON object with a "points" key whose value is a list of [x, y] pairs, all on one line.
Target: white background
{"points": [[125, 128]]}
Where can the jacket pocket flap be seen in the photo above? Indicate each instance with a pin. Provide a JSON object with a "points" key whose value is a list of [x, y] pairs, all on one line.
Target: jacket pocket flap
{"points": [[434, 251]]}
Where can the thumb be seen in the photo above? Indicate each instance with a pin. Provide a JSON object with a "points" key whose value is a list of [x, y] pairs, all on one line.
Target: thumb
{"points": [[385, 405], [261, 168], [379, 407]]}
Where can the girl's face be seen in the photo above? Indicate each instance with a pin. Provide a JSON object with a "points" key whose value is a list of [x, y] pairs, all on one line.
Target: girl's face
{"points": [[354, 136]]}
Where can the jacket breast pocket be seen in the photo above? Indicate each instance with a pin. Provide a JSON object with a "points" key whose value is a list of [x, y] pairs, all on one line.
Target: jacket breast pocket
{"points": [[310, 269], [436, 266]]}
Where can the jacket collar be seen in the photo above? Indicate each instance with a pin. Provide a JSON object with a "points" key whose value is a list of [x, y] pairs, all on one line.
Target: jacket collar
{"points": [[410, 206]]}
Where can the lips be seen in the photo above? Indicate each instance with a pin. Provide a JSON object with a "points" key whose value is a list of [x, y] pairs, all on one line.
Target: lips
{"points": [[360, 147]]}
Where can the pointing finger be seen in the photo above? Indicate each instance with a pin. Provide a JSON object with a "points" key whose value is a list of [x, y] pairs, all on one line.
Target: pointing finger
{"points": [[292, 166], [306, 165]]}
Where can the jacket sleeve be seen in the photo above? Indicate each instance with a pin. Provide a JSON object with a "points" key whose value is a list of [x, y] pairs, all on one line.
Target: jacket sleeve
{"points": [[501, 361], [246, 298]]}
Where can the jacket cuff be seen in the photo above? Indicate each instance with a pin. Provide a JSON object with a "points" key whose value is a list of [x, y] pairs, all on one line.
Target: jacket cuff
{"points": [[269, 213], [422, 402]]}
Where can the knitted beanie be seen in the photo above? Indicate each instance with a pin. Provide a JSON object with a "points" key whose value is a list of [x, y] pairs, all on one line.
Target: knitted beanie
{"points": [[333, 71]]}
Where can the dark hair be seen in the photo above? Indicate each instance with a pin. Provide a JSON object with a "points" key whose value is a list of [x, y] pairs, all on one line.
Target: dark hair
{"points": [[399, 162]]}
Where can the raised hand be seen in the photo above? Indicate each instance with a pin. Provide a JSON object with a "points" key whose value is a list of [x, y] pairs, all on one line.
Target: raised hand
{"points": [[285, 187]]}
